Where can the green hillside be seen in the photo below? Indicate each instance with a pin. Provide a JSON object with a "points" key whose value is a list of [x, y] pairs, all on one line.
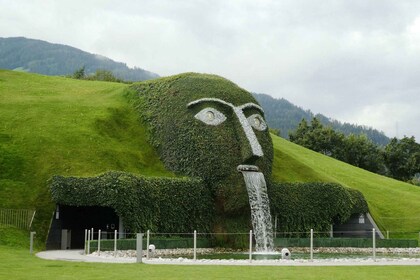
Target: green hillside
{"points": [[395, 205], [55, 125]]}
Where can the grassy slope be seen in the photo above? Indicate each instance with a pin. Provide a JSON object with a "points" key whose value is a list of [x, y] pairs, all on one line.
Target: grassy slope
{"points": [[54, 125], [394, 205]]}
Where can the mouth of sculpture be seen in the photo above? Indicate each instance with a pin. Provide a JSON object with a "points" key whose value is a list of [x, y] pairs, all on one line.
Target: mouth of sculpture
{"points": [[247, 168]]}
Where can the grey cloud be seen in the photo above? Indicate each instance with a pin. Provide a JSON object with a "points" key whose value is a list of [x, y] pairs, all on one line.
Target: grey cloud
{"points": [[351, 60]]}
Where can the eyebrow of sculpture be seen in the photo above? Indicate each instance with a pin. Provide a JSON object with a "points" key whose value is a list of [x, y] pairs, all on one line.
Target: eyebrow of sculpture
{"points": [[244, 106]]}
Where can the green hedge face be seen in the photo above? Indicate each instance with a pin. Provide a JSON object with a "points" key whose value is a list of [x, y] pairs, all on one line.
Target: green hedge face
{"points": [[176, 111], [200, 137]]}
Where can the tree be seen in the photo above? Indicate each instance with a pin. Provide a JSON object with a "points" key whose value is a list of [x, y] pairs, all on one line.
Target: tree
{"points": [[360, 151], [79, 73], [299, 135], [402, 158], [317, 137], [104, 75]]}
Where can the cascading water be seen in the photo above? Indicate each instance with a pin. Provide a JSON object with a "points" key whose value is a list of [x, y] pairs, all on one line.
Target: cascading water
{"points": [[260, 209]]}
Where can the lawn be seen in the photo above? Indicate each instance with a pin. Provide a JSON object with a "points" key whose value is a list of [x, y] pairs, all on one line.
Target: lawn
{"points": [[18, 264]]}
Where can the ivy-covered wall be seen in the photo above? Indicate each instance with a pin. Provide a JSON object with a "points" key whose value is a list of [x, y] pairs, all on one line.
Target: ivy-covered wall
{"points": [[185, 205], [302, 206], [158, 204]]}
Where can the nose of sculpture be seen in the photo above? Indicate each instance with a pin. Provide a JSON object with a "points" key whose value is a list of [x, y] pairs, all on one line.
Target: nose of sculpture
{"points": [[250, 147], [249, 152]]}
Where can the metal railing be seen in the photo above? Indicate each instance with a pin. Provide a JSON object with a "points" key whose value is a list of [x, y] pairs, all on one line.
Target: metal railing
{"points": [[313, 245], [20, 218]]}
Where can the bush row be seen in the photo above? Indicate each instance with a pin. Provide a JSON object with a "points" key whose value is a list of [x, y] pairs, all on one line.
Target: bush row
{"points": [[157, 204], [304, 206], [176, 205]]}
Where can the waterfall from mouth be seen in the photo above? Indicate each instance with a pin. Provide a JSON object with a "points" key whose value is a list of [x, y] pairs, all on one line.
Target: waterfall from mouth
{"points": [[260, 210]]}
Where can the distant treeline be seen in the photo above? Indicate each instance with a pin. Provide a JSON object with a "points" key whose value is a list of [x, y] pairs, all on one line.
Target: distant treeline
{"points": [[399, 159], [285, 117]]}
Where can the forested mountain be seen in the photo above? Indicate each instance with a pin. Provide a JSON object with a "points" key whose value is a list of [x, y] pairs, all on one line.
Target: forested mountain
{"points": [[19, 53], [285, 116]]}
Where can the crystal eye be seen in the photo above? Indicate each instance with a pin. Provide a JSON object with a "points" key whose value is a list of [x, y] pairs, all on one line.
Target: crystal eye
{"points": [[257, 122], [210, 116]]}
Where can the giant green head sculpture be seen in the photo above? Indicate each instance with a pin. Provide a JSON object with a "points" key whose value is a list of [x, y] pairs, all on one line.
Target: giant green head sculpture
{"points": [[206, 126]]}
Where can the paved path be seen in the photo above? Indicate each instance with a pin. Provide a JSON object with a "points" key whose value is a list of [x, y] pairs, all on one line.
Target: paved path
{"points": [[78, 256]]}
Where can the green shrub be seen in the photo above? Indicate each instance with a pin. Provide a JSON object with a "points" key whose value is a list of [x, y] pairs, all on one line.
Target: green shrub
{"points": [[157, 204], [304, 206]]}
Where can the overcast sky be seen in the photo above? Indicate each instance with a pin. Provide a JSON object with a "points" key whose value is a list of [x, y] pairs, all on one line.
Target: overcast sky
{"points": [[356, 61]]}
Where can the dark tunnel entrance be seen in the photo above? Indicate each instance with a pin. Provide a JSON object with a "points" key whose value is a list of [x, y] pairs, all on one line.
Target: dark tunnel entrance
{"points": [[69, 223]]}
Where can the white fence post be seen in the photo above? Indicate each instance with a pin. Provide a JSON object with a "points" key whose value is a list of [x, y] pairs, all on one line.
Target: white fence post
{"points": [[250, 245], [84, 247], [31, 242], [99, 242], [115, 243], [139, 247], [147, 244], [92, 234], [195, 245], [312, 245], [88, 244], [275, 226], [374, 244]]}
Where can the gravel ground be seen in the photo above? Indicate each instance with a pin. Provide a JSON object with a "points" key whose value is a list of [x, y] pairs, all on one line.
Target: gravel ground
{"points": [[129, 256]]}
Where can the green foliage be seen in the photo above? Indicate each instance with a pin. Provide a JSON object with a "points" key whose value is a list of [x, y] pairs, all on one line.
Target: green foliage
{"points": [[359, 151], [317, 138], [79, 73], [103, 75], [402, 158], [356, 150], [302, 206], [415, 180], [144, 203]]}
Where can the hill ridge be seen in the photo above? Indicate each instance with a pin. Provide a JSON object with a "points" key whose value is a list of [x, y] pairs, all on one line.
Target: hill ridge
{"points": [[38, 56], [283, 115]]}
